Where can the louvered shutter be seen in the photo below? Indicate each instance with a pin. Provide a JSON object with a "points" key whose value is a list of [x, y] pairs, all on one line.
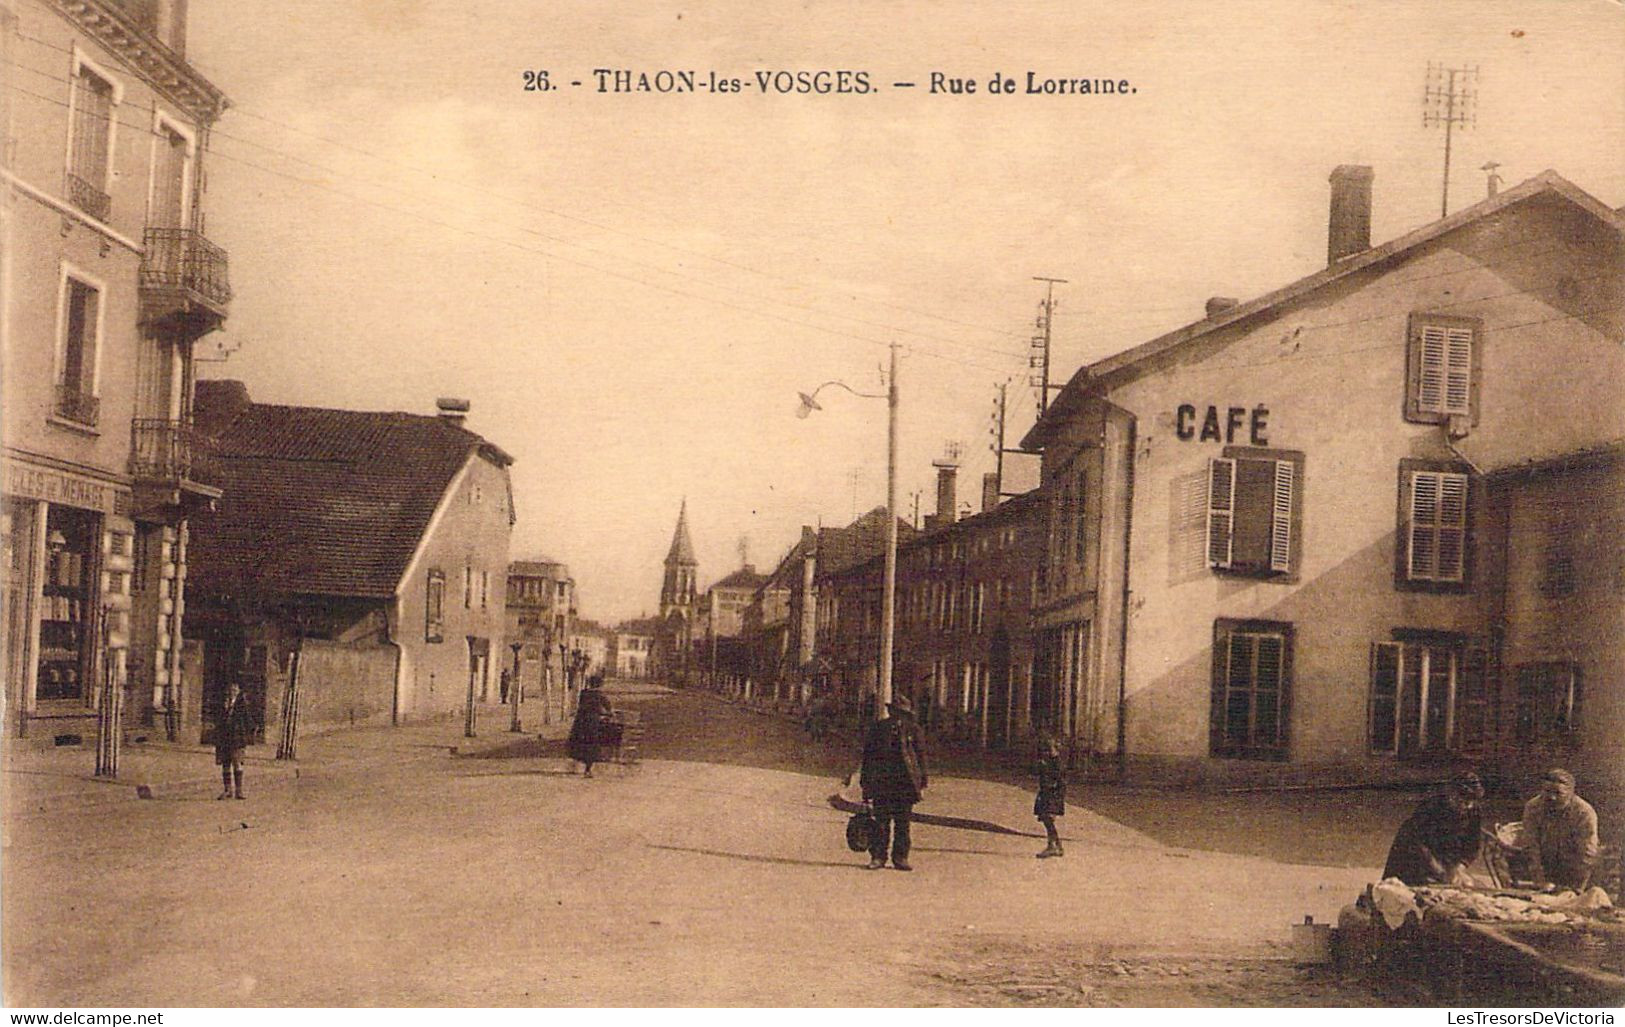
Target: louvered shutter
{"points": [[1452, 534], [1221, 497], [1458, 372], [1424, 527], [1281, 516], [1432, 358]]}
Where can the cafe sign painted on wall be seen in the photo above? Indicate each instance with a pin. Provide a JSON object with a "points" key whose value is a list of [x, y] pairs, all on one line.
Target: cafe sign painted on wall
{"points": [[1223, 424]]}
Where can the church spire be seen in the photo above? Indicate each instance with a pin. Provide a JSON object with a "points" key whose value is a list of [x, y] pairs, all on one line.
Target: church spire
{"points": [[677, 586], [682, 550]]}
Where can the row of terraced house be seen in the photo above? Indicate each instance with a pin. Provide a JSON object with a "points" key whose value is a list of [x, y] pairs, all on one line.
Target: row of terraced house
{"points": [[1363, 525]]}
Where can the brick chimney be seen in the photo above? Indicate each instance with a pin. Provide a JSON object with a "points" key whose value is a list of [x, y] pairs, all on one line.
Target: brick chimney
{"points": [[990, 491], [1348, 231], [947, 491], [453, 411], [1219, 304]]}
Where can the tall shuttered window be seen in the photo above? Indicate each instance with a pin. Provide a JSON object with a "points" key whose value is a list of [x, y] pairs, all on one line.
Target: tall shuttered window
{"points": [[1429, 697], [1442, 369], [1252, 689], [1254, 512], [1436, 526], [91, 142]]}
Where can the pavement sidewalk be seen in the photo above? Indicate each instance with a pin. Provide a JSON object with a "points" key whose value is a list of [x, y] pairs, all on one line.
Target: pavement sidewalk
{"points": [[35, 780]]}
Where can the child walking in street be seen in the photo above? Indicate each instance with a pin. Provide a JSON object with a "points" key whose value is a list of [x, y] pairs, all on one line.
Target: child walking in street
{"points": [[1051, 799]]}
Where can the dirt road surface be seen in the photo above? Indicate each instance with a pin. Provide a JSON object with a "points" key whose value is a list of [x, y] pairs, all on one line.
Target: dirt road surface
{"points": [[392, 872]]}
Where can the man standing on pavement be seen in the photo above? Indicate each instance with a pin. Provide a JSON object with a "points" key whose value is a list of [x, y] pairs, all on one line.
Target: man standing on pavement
{"points": [[1560, 830], [893, 777]]}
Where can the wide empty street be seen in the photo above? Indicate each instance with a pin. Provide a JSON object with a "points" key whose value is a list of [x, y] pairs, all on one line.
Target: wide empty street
{"points": [[393, 870]]}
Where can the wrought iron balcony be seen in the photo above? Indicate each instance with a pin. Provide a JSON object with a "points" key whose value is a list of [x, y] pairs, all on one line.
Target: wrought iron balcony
{"points": [[88, 198], [183, 280], [77, 406], [167, 452]]}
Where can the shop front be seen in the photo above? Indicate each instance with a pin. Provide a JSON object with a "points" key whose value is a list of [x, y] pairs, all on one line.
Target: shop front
{"points": [[67, 547]]}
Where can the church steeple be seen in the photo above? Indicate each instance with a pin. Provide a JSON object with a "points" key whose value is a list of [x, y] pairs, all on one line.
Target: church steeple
{"points": [[677, 588]]}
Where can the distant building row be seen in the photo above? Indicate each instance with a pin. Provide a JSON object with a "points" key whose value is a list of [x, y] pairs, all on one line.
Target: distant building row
{"points": [[1365, 523]]}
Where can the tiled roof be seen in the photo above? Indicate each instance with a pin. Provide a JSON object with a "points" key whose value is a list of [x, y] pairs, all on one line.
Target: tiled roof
{"points": [[840, 548], [744, 577], [316, 501]]}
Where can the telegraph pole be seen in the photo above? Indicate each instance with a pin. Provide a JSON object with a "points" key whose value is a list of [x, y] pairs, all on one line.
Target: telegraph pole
{"points": [[1038, 356], [1449, 98]]}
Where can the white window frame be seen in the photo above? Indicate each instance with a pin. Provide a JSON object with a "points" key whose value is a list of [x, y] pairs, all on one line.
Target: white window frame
{"points": [[1426, 653], [162, 123], [67, 272], [81, 63]]}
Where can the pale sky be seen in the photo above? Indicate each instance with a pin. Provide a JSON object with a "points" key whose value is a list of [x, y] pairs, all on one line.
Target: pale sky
{"points": [[632, 288]]}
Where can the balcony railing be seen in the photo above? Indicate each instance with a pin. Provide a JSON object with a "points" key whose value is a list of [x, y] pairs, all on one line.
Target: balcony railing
{"points": [[88, 198], [180, 265], [77, 406], [167, 451]]}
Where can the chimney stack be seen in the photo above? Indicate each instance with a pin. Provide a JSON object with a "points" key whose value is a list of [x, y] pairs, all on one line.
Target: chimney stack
{"points": [[453, 411], [1219, 304], [947, 481], [1348, 231], [990, 491]]}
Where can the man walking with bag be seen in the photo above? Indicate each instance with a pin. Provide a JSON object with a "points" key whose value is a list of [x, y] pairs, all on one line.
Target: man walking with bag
{"points": [[893, 778]]}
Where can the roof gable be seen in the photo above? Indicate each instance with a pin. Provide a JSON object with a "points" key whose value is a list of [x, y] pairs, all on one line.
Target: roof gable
{"points": [[324, 502], [1102, 373]]}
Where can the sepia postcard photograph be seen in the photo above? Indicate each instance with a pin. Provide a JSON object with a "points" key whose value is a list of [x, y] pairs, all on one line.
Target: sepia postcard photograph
{"points": [[522, 505]]}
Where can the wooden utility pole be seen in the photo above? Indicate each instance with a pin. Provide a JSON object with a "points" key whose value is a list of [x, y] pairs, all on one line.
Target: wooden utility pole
{"points": [[1449, 98], [1038, 357]]}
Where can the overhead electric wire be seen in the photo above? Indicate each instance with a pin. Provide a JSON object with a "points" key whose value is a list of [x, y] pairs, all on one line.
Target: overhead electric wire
{"points": [[485, 191], [547, 253]]}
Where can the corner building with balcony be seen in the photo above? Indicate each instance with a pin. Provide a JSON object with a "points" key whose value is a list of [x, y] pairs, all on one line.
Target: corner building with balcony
{"points": [[1364, 526], [106, 284]]}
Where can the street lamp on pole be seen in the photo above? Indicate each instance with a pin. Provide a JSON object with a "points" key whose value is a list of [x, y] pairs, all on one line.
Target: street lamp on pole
{"points": [[888, 588], [516, 689]]}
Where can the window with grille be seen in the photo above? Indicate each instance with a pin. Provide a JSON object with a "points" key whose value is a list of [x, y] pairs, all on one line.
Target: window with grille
{"points": [[1548, 701], [1429, 697], [1436, 526], [1442, 369], [1252, 689], [90, 142], [76, 390], [1254, 514]]}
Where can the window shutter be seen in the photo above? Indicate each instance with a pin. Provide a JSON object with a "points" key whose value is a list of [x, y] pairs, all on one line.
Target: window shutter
{"points": [[1385, 657], [1452, 536], [1458, 376], [1431, 363], [1221, 496], [1424, 528], [1281, 516]]}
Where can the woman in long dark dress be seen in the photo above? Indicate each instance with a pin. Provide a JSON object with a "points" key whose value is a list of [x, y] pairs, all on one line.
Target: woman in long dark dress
{"points": [[591, 726]]}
